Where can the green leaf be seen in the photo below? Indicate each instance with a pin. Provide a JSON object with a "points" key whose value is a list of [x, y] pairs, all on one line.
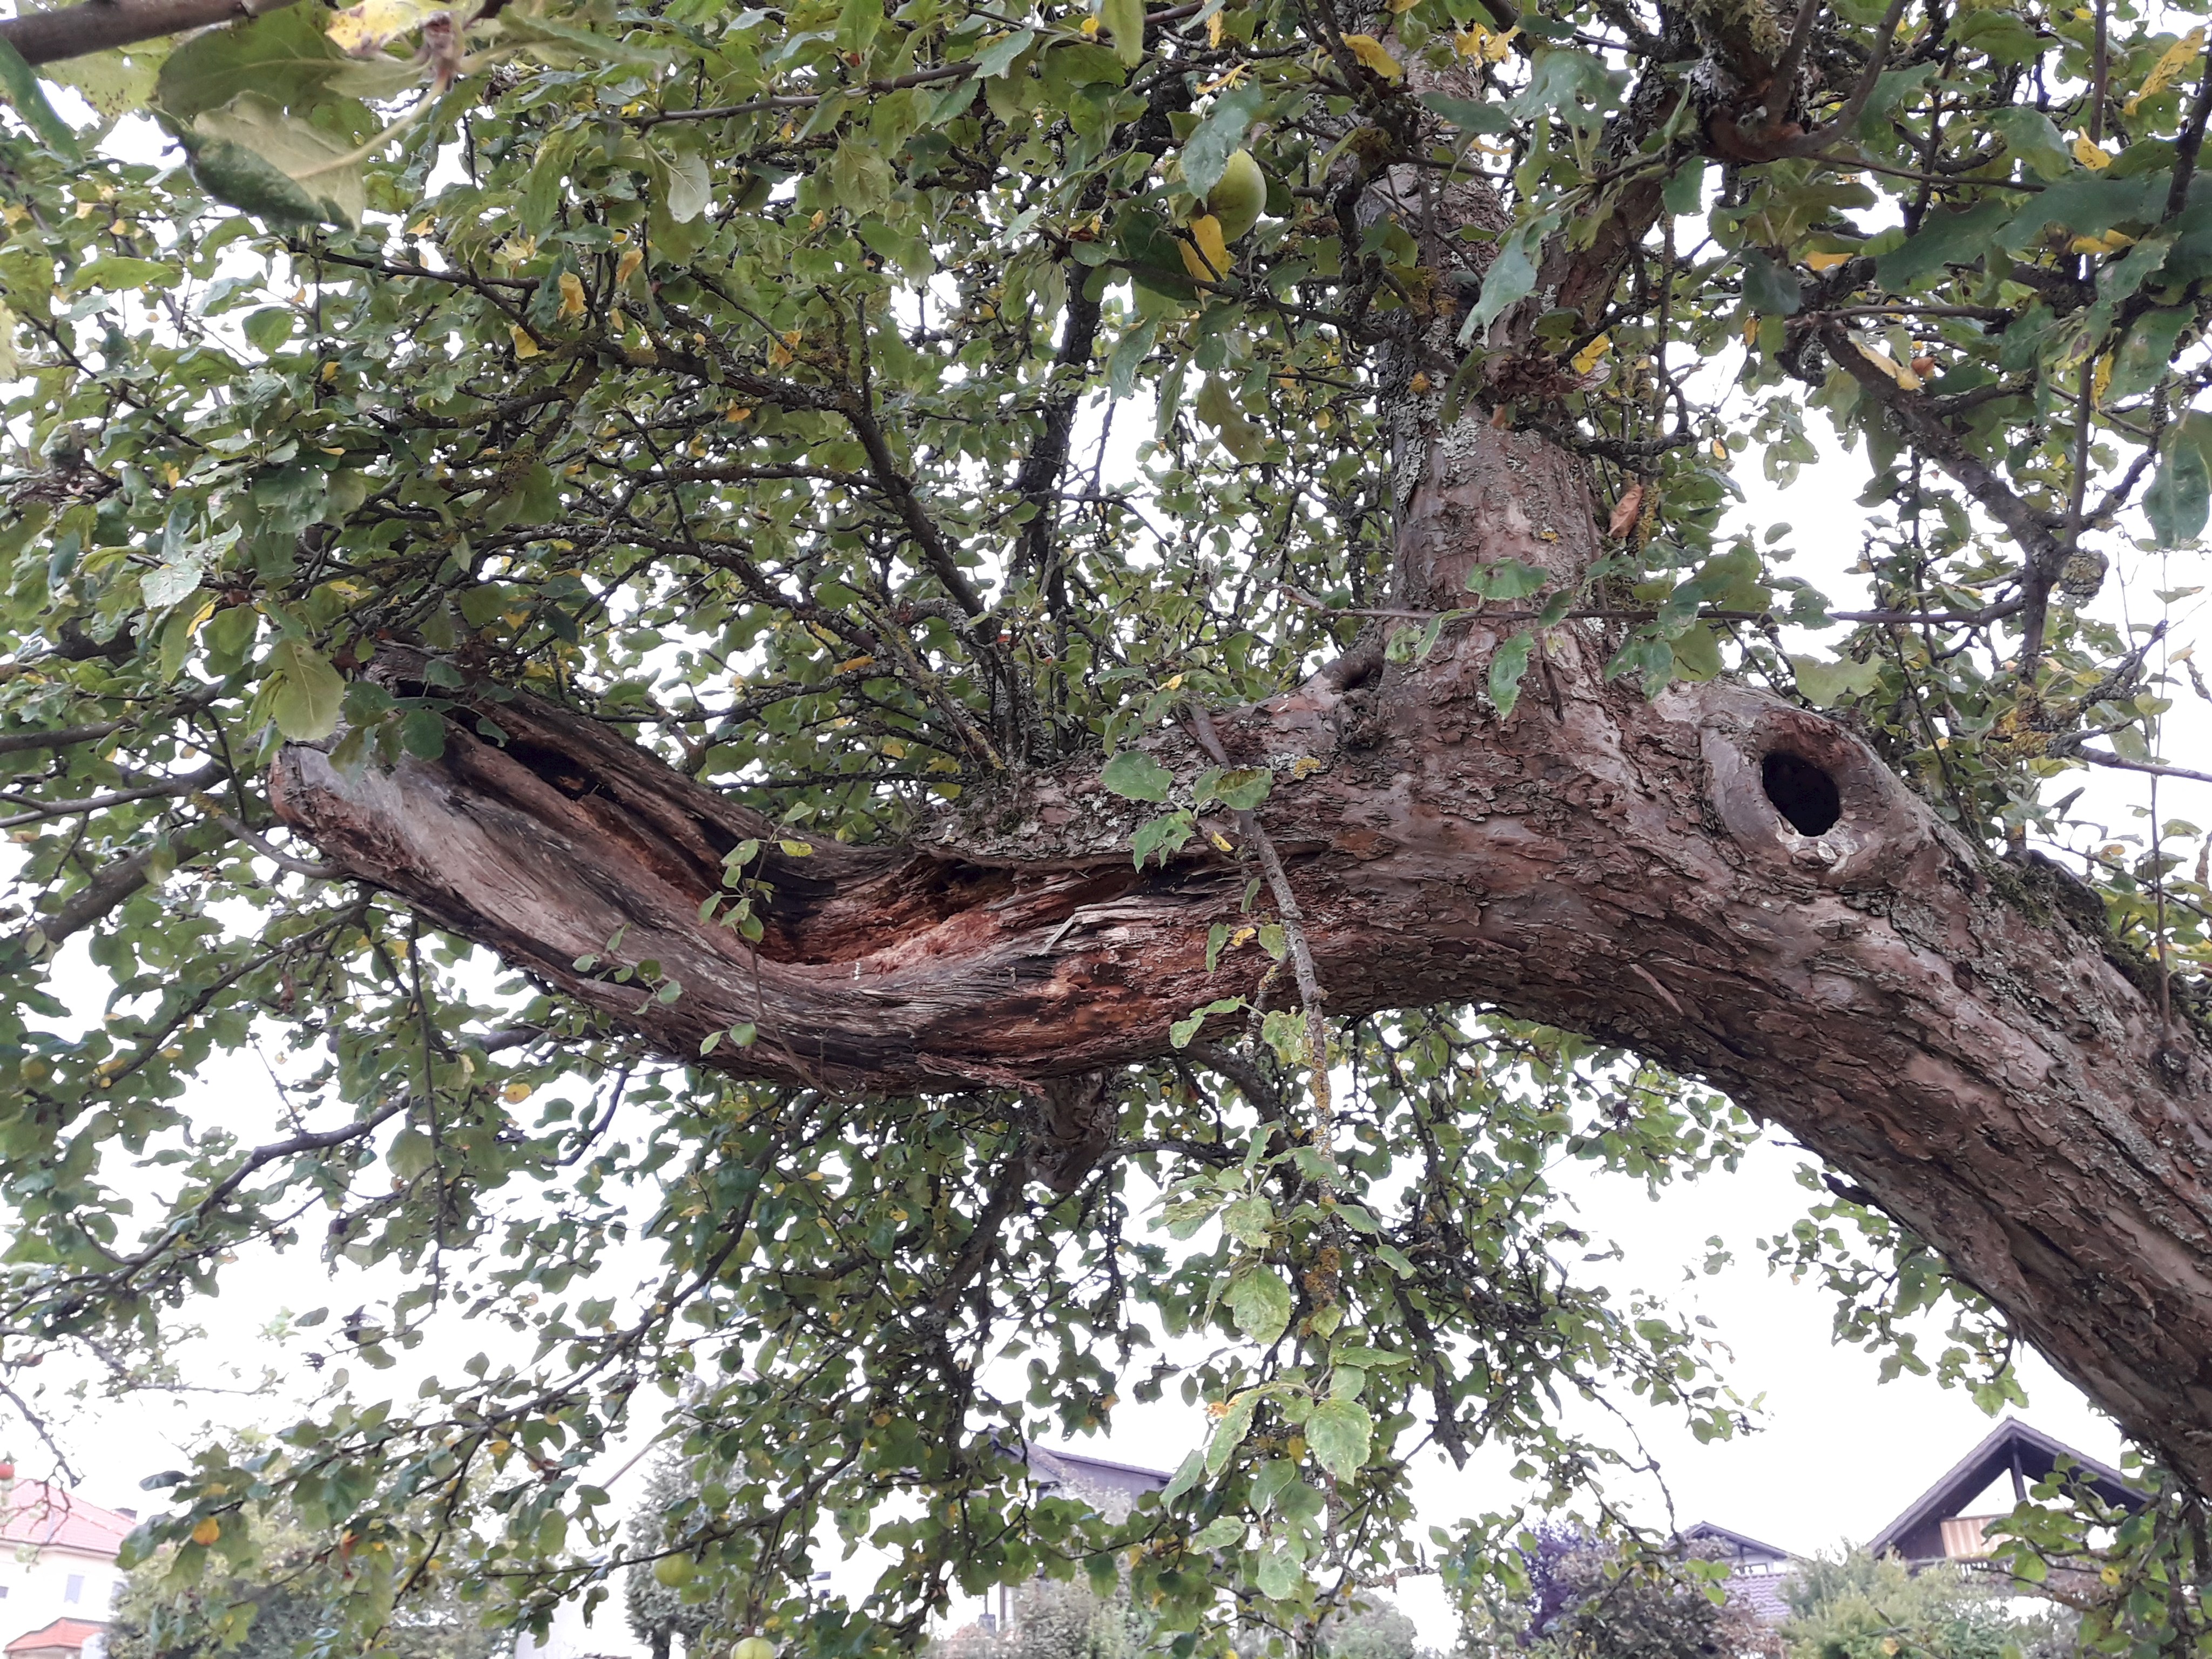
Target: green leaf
{"points": [[1769, 288], [1508, 579], [1279, 1575], [995, 59], [1207, 149], [1219, 409], [411, 1154], [1228, 1434], [1135, 776], [1187, 1475], [252, 154], [20, 86], [423, 733], [1260, 1301], [1365, 1357], [1511, 276], [1944, 238], [1827, 684], [1171, 832], [1248, 1220], [283, 57], [1223, 1533], [1469, 116], [857, 179], [2147, 355], [118, 273], [1124, 23], [115, 83], [305, 692], [1340, 1431], [1685, 188], [691, 189], [1244, 787], [2029, 135], [1181, 1033], [1507, 664], [2180, 495], [1697, 652]]}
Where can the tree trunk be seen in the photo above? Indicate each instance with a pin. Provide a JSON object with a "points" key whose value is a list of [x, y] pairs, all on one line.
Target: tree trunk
{"points": [[1959, 1033]]}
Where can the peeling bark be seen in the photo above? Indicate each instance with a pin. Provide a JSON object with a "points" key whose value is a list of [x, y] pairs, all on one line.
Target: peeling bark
{"points": [[1948, 1028]]}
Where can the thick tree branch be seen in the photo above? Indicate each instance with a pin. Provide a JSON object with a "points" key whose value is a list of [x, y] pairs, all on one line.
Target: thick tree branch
{"points": [[48, 37], [1986, 1061]]}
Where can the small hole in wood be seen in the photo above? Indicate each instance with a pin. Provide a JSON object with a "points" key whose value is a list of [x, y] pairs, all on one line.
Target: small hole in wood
{"points": [[1802, 793]]}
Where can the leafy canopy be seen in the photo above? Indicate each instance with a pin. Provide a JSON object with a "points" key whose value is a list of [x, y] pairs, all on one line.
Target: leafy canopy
{"points": [[853, 401]]}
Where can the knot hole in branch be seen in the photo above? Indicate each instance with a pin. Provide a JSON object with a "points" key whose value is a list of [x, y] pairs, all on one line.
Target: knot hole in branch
{"points": [[1800, 792]]}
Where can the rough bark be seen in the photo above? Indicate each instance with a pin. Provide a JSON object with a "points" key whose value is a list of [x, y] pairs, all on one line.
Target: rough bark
{"points": [[49, 37], [1956, 1032]]}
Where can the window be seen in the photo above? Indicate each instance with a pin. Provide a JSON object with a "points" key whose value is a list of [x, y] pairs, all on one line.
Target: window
{"points": [[73, 1592]]}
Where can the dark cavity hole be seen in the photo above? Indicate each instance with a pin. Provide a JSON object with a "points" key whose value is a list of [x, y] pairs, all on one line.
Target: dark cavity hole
{"points": [[1802, 793]]}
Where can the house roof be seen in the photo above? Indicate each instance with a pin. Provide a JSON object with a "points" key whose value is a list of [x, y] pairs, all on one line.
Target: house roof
{"points": [[1112, 1488], [1741, 1547], [70, 1633], [47, 1517], [1048, 1462], [2011, 1447]]}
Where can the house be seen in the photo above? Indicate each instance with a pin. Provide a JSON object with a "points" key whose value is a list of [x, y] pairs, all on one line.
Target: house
{"points": [[1755, 1570], [1936, 1526], [65, 1638], [58, 1573], [1110, 1488], [1944, 1523]]}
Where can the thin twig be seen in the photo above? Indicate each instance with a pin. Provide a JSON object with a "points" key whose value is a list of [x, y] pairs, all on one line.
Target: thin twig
{"points": [[1294, 934]]}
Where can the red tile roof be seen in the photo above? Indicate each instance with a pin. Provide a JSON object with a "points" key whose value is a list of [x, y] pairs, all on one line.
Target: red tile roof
{"points": [[70, 1633], [35, 1513]]}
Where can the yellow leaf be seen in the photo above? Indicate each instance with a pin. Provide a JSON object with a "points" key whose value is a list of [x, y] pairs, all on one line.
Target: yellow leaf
{"points": [[1720, 450], [851, 664], [515, 1093], [1214, 31], [1208, 261], [627, 266], [1476, 41], [2110, 242], [524, 345], [1372, 54], [572, 295], [2090, 157], [1905, 378], [2101, 381], [1090, 25], [1826, 261], [1591, 354], [208, 1531], [2176, 58], [361, 29], [737, 413]]}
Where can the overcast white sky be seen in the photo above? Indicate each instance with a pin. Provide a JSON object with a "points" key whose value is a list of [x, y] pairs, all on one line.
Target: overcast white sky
{"points": [[1836, 1453]]}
